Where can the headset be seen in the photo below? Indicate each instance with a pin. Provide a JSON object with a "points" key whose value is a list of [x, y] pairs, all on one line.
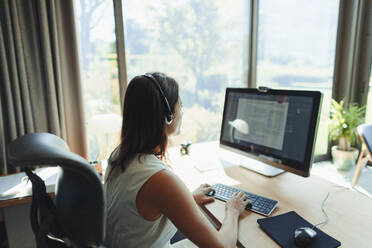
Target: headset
{"points": [[170, 116]]}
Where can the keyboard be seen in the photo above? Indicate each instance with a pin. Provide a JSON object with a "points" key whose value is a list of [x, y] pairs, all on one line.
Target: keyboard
{"points": [[259, 204]]}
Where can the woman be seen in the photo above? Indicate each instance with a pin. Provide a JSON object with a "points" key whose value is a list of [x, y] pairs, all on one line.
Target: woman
{"points": [[146, 201]]}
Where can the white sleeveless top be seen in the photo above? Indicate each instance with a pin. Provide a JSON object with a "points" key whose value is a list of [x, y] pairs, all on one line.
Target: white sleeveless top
{"points": [[125, 227]]}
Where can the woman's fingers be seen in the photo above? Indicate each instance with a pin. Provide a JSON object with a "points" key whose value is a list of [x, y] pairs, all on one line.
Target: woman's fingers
{"points": [[208, 200], [207, 189], [239, 195]]}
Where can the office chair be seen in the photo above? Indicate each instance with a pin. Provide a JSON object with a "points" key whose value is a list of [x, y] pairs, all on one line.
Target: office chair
{"points": [[77, 219], [365, 156]]}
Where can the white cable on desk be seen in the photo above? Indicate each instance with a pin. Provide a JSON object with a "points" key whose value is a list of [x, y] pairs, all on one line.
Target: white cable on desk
{"points": [[324, 212]]}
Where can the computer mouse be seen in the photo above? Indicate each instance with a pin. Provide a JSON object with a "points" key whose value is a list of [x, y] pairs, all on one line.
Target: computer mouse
{"points": [[304, 236], [210, 193]]}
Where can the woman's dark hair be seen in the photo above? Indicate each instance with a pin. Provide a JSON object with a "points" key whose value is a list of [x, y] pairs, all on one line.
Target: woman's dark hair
{"points": [[144, 127]]}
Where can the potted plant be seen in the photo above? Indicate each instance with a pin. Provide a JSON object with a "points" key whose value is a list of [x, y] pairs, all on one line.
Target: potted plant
{"points": [[343, 128]]}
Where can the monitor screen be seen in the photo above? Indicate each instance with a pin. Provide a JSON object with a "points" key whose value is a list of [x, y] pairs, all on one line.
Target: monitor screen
{"points": [[275, 126]]}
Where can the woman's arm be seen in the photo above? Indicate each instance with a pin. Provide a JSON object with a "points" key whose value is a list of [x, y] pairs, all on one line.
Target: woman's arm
{"points": [[234, 207], [165, 193]]}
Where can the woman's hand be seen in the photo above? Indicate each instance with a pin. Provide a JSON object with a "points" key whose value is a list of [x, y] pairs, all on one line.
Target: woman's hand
{"points": [[237, 202], [199, 194]]}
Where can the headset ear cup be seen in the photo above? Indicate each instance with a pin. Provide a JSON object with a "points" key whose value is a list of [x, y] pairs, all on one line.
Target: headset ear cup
{"points": [[168, 122]]}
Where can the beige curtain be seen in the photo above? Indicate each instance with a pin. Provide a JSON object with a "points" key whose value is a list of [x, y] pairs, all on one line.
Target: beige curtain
{"points": [[39, 74]]}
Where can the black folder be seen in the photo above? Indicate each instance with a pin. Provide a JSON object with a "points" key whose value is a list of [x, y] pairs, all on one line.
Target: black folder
{"points": [[281, 229]]}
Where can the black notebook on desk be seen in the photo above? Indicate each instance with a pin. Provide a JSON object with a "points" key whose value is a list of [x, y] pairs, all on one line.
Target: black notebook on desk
{"points": [[281, 229]]}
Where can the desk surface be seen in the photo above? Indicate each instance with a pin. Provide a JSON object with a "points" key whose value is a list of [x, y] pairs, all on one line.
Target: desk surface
{"points": [[350, 213]]}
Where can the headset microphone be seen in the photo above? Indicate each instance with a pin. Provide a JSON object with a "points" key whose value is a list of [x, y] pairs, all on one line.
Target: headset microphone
{"points": [[169, 117]]}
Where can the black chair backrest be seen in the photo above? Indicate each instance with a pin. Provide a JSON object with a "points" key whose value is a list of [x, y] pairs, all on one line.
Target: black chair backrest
{"points": [[80, 201], [365, 131]]}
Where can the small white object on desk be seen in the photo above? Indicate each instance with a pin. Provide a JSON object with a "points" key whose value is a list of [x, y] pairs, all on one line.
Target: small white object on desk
{"points": [[206, 163], [197, 168]]}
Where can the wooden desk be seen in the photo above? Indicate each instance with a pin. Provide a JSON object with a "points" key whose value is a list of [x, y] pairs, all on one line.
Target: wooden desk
{"points": [[350, 213]]}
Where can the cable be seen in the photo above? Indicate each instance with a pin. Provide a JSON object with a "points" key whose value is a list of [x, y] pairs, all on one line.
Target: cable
{"points": [[325, 199], [324, 212]]}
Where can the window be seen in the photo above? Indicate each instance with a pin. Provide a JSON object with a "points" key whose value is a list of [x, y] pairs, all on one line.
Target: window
{"points": [[296, 50], [96, 32], [202, 44]]}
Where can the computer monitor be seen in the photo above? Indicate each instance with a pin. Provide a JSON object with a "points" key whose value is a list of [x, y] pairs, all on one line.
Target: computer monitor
{"points": [[275, 130]]}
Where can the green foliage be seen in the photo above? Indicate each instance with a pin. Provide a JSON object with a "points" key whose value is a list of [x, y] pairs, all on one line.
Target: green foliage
{"points": [[193, 31], [344, 121]]}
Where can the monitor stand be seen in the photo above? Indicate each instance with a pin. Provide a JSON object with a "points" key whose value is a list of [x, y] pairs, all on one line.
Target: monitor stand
{"points": [[234, 156], [261, 168]]}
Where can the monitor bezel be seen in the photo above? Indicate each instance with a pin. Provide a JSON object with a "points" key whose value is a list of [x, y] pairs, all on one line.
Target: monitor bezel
{"points": [[296, 167]]}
